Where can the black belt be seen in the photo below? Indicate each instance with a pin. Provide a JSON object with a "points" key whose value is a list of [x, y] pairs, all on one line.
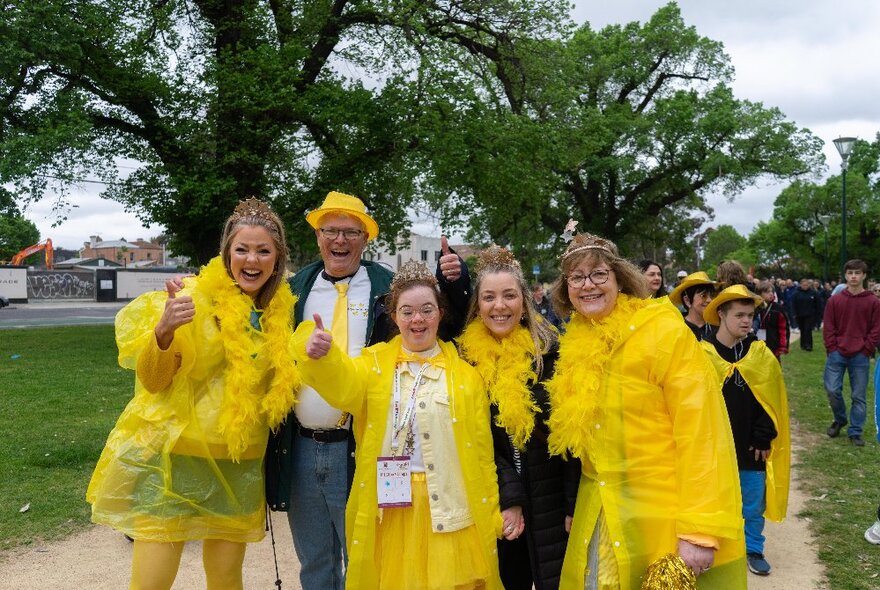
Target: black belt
{"points": [[330, 435]]}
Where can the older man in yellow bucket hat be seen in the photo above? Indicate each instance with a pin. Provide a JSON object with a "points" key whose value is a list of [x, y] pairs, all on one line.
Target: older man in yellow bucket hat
{"points": [[310, 461], [757, 405]]}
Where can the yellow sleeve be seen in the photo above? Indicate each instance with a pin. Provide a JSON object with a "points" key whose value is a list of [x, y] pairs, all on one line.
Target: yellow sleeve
{"points": [[156, 367], [339, 379], [486, 449]]}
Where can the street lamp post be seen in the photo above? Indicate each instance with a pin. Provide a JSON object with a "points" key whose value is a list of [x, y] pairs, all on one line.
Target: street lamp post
{"points": [[844, 146], [824, 219]]}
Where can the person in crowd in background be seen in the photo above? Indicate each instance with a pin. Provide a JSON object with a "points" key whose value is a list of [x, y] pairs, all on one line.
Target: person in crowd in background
{"points": [[213, 374], [851, 334], [514, 351], [311, 458], [772, 323], [653, 277], [543, 306], [694, 293], [424, 509], [824, 296], [757, 405], [806, 305], [729, 273], [635, 399], [876, 289], [787, 295]]}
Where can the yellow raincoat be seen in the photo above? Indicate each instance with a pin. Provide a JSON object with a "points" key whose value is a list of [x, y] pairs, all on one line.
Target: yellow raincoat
{"points": [[657, 453], [187, 462], [362, 386], [761, 372]]}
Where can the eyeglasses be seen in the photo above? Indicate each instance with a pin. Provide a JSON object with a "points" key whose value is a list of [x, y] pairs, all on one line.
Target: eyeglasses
{"points": [[331, 233], [408, 314], [597, 277]]}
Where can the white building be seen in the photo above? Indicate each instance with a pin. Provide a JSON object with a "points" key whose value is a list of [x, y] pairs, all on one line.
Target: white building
{"points": [[420, 248]]}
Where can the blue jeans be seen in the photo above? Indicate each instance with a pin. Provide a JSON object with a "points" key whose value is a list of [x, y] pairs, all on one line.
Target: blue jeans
{"points": [[753, 485], [857, 365], [319, 490]]}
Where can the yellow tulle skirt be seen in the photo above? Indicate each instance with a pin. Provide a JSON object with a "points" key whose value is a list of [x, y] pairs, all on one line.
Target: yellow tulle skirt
{"points": [[410, 556]]}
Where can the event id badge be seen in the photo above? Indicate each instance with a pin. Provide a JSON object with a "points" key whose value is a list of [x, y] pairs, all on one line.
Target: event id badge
{"points": [[762, 335], [393, 482]]}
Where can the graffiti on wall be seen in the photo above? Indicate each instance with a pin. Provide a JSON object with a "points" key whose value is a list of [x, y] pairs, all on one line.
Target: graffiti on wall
{"points": [[60, 285]]}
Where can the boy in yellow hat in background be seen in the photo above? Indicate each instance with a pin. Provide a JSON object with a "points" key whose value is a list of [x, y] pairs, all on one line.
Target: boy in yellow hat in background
{"points": [[757, 405]]}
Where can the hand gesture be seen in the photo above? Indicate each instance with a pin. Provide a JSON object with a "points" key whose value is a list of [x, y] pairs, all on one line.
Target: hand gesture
{"points": [[319, 342], [760, 455], [178, 311], [514, 523], [450, 264], [697, 558]]}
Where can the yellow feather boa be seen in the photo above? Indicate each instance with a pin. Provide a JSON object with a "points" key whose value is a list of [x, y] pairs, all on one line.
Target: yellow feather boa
{"points": [[584, 351], [506, 367], [245, 408]]}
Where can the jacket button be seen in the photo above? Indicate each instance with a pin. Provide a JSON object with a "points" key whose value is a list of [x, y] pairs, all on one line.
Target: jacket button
{"points": [[430, 467], [363, 484], [355, 542], [426, 436], [484, 500], [468, 445], [435, 497], [284, 504], [283, 451], [439, 527], [422, 405], [617, 543]]}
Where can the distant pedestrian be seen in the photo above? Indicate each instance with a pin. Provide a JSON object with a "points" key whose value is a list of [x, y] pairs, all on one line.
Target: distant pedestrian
{"points": [[852, 330], [772, 322], [543, 305], [806, 305], [653, 278]]}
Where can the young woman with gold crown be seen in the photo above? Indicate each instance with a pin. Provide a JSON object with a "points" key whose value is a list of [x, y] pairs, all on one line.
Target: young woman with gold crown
{"points": [[635, 400], [423, 512], [213, 375], [513, 348]]}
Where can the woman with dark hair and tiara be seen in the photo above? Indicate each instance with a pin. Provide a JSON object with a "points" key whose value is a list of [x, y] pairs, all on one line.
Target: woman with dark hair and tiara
{"points": [[635, 399], [213, 373], [514, 349], [423, 512]]}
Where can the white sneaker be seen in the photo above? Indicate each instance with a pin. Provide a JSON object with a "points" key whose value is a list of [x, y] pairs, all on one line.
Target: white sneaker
{"points": [[872, 535]]}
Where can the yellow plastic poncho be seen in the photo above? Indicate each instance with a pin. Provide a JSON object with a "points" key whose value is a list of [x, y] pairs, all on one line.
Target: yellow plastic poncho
{"points": [[762, 373], [187, 462], [362, 386], [648, 422]]}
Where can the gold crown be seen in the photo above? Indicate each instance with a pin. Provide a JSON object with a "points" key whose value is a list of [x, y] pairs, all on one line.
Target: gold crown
{"points": [[496, 258], [253, 207], [585, 241], [411, 272]]}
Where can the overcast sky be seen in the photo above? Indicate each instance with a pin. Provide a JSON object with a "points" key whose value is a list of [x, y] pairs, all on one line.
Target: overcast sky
{"points": [[813, 59]]}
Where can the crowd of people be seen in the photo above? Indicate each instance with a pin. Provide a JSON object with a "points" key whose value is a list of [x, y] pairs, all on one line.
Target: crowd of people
{"points": [[425, 431]]}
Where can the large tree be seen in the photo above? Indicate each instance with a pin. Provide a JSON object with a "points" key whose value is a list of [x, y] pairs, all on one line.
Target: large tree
{"points": [[215, 100], [626, 129], [16, 232]]}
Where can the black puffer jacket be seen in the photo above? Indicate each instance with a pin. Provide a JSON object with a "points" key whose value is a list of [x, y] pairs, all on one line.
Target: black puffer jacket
{"points": [[546, 488]]}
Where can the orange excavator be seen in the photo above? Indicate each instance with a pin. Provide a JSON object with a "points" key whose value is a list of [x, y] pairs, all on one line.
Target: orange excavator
{"points": [[46, 245]]}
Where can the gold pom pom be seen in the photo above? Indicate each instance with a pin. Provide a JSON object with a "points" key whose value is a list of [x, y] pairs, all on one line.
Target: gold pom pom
{"points": [[670, 572]]}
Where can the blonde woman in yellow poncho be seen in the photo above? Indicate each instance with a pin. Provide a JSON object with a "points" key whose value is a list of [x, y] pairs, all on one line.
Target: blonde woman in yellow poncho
{"points": [[212, 376], [514, 348], [635, 399]]}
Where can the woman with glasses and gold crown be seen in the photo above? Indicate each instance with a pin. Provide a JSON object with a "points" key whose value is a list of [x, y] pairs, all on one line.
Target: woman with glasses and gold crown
{"points": [[514, 348], [634, 399], [423, 512], [213, 373]]}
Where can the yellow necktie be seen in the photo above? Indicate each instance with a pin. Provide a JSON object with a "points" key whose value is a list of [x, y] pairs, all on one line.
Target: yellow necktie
{"points": [[339, 327]]}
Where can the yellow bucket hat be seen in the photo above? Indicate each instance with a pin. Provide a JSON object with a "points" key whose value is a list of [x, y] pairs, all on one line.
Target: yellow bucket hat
{"points": [[733, 293], [348, 205], [692, 280]]}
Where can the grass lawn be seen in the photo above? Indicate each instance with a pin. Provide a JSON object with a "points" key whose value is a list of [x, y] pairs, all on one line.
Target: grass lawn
{"points": [[62, 395], [58, 401], [840, 480]]}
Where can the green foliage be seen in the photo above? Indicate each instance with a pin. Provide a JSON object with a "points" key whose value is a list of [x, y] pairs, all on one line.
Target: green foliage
{"points": [[16, 232], [722, 244], [60, 399]]}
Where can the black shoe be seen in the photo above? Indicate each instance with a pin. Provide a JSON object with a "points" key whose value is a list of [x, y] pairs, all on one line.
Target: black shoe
{"points": [[834, 429], [757, 564], [856, 441]]}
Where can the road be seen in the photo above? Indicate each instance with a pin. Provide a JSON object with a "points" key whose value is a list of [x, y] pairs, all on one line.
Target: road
{"points": [[57, 313]]}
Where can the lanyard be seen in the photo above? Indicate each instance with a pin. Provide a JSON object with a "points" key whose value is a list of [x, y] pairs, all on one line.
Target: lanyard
{"points": [[398, 422]]}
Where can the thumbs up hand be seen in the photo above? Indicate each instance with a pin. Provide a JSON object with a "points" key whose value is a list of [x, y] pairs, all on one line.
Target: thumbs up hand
{"points": [[178, 311], [319, 342], [450, 264]]}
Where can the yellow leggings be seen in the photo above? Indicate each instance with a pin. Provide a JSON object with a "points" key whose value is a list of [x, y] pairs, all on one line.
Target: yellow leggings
{"points": [[154, 565]]}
